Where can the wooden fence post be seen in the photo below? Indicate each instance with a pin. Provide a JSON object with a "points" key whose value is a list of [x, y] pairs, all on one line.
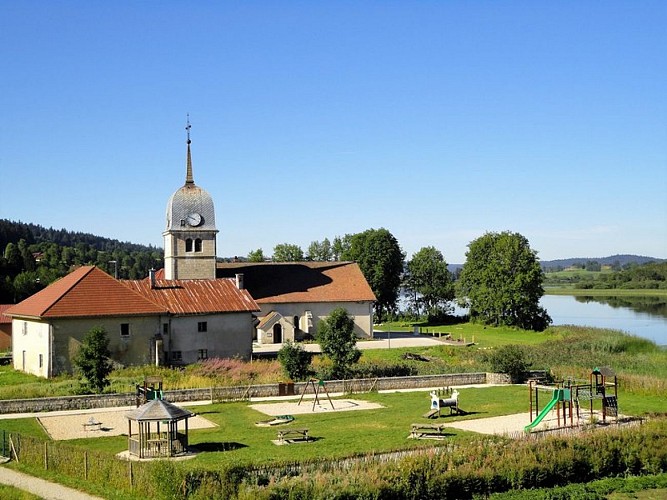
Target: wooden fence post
{"points": [[85, 464], [46, 456], [131, 480]]}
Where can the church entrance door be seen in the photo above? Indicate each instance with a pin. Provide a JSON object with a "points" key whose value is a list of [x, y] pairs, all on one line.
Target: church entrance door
{"points": [[277, 334]]}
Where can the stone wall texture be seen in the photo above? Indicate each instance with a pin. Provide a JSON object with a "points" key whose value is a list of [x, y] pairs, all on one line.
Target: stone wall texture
{"points": [[253, 391]]}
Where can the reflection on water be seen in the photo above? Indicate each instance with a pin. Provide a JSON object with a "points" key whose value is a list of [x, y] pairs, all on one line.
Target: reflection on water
{"points": [[654, 306], [645, 316]]}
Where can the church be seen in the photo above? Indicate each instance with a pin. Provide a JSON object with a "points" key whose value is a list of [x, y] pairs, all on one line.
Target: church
{"points": [[193, 309]]}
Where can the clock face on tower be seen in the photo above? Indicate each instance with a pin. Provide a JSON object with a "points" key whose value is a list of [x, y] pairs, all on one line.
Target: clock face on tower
{"points": [[194, 219]]}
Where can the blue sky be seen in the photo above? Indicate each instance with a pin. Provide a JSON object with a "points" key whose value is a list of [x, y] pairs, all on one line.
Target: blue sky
{"points": [[438, 120]]}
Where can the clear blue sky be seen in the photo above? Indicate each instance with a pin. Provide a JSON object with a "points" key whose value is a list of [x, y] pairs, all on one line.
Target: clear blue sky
{"points": [[438, 120]]}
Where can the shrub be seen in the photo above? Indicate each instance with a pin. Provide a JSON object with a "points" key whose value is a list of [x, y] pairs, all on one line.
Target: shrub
{"points": [[295, 361], [510, 359]]}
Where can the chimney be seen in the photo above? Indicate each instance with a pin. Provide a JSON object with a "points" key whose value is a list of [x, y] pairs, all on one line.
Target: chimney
{"points": [[151, 275], [239, 281]]}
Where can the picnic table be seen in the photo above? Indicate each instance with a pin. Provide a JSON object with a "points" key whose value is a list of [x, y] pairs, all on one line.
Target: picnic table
{"points": [[92, 425], [419, 431], [301, 434]]}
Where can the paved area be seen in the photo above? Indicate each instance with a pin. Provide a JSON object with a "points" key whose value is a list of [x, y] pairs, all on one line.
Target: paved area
{"points": [[380, 340], [40, 487]]}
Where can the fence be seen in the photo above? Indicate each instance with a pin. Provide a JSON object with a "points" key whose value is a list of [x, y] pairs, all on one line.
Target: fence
{"points": [[246, 392]]}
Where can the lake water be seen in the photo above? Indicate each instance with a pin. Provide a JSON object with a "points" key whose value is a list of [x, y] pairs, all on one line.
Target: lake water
{"points": [[642, 316]]}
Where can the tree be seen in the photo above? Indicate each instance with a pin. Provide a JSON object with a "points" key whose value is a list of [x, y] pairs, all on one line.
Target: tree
{"points": [[501, 282], [256, 255], [92, 360], [295, 361], [285, 252], [336, 337], [510, 359], [340, 246], [429, 280], [381, 261], [320, 251]]}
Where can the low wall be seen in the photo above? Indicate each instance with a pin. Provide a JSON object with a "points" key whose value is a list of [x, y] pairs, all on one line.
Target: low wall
{"points": [[252, 391]]}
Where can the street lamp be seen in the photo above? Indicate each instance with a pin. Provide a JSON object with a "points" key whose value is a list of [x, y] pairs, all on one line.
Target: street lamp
{"points": [[115, 268]]}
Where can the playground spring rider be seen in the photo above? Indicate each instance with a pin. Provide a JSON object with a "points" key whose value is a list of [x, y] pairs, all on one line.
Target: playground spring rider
{"points": [[452, 402]]}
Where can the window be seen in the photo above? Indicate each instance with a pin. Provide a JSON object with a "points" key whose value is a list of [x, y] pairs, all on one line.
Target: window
{"points": [[296, 322], [41, 360], [202, 326], [188, 245], [176, 356], [165, 328], [198, 245], [124, 329], [25, 328], [202, 354]]}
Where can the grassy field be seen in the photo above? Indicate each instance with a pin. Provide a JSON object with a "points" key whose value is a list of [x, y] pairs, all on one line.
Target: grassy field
{"points": [[568, 352]]}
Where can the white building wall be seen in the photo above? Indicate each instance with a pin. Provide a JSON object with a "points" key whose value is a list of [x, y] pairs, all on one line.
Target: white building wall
{"points": [[226, 336], [362, 313], [30, 346]]}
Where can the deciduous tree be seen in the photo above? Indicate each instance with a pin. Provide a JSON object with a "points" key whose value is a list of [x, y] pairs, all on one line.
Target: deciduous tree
{"points": [[338, 341], [381, 261], [295, 361], [92, 360], [256, 255], [429, 280], [286, 252], [501, 282]]}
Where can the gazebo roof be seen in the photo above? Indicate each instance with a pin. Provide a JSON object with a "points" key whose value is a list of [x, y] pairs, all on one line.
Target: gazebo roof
{"points": [[158, 409]]}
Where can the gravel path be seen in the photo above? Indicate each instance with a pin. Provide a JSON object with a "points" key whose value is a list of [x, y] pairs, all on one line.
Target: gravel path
{"points": [[41, 487], [306, 406]]}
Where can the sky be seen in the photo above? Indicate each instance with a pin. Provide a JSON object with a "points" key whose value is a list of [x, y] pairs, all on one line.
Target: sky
{"points": [[437, 120]]}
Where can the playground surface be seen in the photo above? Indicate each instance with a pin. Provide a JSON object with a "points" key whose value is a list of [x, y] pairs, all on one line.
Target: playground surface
{"points": [[306, 406], [70, 425]]}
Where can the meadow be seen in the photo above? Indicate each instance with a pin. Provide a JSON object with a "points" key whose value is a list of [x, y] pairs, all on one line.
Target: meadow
{"points": [[236, 446]]}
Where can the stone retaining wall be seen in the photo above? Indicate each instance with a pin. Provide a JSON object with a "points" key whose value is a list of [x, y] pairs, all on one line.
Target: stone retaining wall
{"points": [[252, 391]]}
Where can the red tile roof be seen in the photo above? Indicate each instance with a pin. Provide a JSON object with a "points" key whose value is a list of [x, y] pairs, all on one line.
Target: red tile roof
{"points": [[195, 296], [284, 282], [86, 292], [3, 318]]}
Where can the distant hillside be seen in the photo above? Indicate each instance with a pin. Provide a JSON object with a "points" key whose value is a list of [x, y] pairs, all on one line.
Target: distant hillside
{"points": [[12, 232], [613, 260]]}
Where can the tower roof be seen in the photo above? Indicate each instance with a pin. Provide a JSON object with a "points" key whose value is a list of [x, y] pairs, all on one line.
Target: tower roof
{"points": [[190, 207]]}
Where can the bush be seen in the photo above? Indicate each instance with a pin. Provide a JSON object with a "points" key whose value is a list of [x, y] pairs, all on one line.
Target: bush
{"points": [[295, 361], [510, 359]]}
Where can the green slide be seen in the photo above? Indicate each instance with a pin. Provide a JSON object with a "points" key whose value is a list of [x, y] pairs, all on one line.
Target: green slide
{"points": [[554, 400]]}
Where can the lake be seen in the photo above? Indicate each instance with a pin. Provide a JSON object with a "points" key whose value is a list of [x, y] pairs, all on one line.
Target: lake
{"points": [[642, 316]]}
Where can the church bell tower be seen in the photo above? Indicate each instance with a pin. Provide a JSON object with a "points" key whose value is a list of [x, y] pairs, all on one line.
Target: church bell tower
{"points": [[190, 236]]}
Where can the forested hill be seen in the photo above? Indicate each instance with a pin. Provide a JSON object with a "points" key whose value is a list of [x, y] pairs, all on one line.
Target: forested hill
{"points": [[13, 232], [33, 256], [617, 261]]}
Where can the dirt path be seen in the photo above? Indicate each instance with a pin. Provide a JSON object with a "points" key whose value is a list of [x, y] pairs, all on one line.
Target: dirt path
{"points": [[40, 487]]}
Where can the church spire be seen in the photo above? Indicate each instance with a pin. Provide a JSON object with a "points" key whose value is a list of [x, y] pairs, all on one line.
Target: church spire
{"points": [[189, 180]]}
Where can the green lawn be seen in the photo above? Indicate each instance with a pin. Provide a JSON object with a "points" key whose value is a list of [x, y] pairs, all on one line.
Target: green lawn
{"points": [[237, 440]]}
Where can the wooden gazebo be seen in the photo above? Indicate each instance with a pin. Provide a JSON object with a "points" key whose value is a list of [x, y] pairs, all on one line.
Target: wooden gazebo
{"points": [[158, 434]]}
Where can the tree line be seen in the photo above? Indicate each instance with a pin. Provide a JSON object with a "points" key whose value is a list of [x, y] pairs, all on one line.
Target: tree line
{"points": [[33, 257], [500, 283]]}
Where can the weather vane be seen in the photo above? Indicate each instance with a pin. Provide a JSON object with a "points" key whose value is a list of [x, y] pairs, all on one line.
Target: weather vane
{"points": [[188, 127]]}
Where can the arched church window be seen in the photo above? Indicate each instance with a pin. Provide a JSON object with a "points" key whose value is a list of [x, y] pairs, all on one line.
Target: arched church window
{"points": [[198, 245], [188, 245]]}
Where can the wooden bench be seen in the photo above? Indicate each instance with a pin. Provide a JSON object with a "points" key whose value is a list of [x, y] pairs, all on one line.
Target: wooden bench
{"points": [[420, 431], [301, 435], [92, 425]]}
